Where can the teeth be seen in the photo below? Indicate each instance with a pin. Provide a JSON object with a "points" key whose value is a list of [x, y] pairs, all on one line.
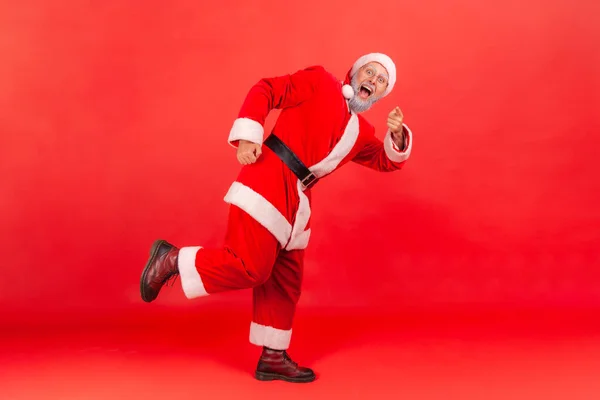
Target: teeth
{"points": [[367, 89]]}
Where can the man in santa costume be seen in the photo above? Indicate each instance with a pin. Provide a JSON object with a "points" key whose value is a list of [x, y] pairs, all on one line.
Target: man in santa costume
{"points": [[320, 128]]}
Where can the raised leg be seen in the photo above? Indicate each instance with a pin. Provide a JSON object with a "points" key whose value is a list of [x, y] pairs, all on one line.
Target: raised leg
{"points": [[245, 261]]}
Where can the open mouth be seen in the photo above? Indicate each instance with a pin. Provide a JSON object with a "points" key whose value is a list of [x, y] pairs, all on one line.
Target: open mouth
{"points": [[365, 91]]}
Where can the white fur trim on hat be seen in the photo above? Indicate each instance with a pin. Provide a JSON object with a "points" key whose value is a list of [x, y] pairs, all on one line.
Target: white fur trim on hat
{"points": [[382, 59]]}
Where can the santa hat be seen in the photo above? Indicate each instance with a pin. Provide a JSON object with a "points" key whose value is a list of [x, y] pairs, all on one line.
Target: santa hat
{"points": [[382, 59]]}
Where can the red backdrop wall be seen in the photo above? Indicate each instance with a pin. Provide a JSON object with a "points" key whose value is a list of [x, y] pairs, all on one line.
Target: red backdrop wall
{"points": [[114, 117]]}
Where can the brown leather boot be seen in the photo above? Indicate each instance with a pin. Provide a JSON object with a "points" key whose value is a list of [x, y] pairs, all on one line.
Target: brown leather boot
{"points": [[161, 266], [276, 364]]}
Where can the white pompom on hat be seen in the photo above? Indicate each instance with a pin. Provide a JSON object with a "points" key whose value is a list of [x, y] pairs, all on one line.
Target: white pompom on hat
{"points": [[347, 91], [382, 59]]}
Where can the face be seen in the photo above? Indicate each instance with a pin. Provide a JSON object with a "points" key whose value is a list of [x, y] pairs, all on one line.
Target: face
{"points": [[369, 84]]}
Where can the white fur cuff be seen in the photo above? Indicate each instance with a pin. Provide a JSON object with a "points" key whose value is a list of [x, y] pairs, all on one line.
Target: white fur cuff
{"points": [[191, 281], [246, 129], [391, 150], [270, 337]]}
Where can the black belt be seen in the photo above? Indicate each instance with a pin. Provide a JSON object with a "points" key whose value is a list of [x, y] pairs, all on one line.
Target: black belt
{"points": [[307, 178]]}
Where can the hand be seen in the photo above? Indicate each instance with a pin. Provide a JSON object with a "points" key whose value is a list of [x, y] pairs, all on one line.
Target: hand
{"points": [[248, 152], [394, 121]]}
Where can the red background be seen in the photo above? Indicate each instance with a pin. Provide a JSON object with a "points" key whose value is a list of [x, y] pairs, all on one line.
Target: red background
{"points": [[114, 117]]}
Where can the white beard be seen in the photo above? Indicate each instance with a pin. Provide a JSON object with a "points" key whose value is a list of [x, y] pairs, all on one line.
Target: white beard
{"points": [[357, 104]]}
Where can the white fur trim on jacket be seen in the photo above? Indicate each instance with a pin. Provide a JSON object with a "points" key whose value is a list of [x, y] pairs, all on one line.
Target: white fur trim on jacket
{"points": [[300, 235], [261, 210], [290, 237], [340, 151], [273, 338], [246, 129], [391, 150], [191, 282]]}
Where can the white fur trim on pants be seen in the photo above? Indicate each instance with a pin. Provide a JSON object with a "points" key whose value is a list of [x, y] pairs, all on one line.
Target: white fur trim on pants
{"points": [[393, 154], [191, 281], [246, 129], [273, 338]]}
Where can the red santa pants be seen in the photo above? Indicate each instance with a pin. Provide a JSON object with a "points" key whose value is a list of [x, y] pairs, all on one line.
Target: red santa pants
{"points": [[251, 258]]}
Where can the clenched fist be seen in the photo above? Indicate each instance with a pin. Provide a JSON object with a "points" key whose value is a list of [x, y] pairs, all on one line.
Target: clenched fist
{"points": [[248, 152]]}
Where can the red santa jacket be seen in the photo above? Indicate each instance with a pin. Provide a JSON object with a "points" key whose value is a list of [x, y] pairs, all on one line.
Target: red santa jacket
{"points": [[317, 125]]}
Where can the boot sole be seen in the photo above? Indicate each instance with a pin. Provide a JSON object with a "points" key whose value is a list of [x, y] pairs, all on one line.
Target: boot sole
{"points": [[153, 251], [267, 376]]}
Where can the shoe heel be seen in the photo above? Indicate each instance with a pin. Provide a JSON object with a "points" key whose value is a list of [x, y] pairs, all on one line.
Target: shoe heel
{"points": [[262, 376]]}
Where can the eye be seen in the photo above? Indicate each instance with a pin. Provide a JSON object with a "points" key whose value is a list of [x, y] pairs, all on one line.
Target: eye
{"points": [[369, 72]]}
